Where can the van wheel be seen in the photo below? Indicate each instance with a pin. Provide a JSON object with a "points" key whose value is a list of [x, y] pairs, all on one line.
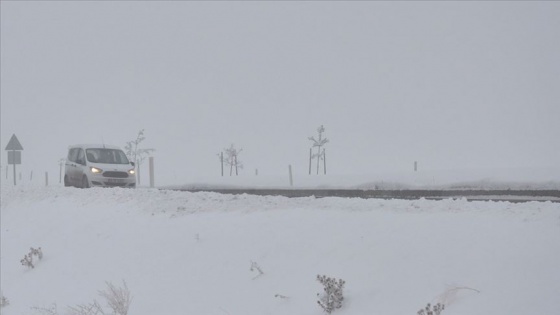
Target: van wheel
{"points": [[66, 182], [85, 183]]}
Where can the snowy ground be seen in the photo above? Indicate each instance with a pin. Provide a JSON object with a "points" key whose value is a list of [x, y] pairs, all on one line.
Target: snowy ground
{"points": [[191, 253]]}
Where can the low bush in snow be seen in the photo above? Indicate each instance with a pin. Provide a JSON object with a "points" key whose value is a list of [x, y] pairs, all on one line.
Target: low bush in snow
{"points": [[255, 267], [28, 259], [87, 309], [432, 309], [117, 298], [3, 301], [332, 297], [446, 298], [52, 310]]}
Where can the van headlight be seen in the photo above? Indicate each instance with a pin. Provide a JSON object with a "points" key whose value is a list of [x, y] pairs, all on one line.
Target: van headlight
{"points": [[96, 170], [131, 172]]}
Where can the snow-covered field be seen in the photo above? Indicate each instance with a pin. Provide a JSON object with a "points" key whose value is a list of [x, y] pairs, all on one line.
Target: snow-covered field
{"points": [[191, 253]]}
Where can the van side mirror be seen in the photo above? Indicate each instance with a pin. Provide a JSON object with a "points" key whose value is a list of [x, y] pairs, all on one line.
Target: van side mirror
{"points": [[132, 163]]}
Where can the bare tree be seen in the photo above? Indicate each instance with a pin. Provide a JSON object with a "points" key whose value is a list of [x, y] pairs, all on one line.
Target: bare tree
{"points": [[136, 154], [232, 160], [318, 143]]}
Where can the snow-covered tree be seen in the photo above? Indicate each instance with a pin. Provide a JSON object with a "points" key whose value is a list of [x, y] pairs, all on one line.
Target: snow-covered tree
{"points": [[232, 159], [318, 143], [136, 154]]}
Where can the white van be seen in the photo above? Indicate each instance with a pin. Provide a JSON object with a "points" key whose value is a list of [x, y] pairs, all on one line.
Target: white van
{"points": [[100, 165]]}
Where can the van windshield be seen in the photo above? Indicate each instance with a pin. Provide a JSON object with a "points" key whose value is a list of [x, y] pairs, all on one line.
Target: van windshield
{"points": [[106, 156]]}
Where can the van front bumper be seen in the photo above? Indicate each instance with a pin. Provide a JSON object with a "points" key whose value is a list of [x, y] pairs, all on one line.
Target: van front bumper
{"points": [[102, 180]]}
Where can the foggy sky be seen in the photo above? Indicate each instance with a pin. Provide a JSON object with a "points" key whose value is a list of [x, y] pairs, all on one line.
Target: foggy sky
{"points": [[452, 85]]}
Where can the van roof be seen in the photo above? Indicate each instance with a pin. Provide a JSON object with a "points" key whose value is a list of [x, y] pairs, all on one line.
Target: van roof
{"points": [[94, 146]]}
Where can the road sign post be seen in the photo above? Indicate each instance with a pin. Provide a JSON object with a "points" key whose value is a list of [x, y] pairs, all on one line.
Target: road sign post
{"points": [[14, 154], [14, 163]]}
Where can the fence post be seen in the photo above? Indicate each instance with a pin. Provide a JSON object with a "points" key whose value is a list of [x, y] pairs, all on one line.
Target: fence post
{"points": [[291, 178], [152, 172]]}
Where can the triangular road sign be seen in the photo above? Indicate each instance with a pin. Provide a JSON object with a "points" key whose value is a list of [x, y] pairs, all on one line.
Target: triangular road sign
{"points": [[14, 144]]}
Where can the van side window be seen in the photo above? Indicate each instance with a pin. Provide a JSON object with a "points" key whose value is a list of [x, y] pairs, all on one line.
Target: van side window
{"points": [[81, 157], [72, 155]]}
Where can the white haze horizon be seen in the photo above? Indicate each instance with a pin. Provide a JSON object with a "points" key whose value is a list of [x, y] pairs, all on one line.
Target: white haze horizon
{"points": [[461, 87]]}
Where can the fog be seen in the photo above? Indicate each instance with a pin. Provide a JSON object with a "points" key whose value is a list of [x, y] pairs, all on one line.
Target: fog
{"points": [[452, 85]]}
